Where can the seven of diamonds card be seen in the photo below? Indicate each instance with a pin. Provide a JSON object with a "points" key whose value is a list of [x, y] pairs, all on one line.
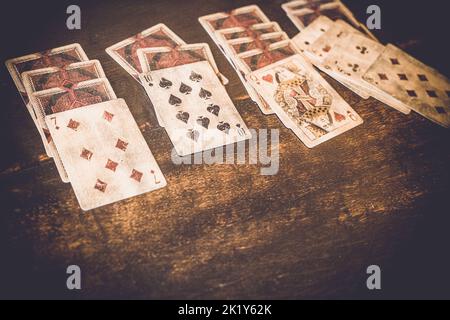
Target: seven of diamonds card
{"points": [[195, 108], [64, 98], [107, 159], [304, 101]]}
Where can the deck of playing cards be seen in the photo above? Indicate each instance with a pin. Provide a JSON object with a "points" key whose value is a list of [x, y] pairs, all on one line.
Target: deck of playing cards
{"points": [[90, 134], [277, 77], [372, 69], [249, 40], [185, 87]]}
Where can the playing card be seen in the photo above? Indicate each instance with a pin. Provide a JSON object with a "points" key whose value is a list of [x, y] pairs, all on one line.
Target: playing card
{"points": [[195, 108], [125, 52], [351, 57], [58, 57], [257, 59], [303, 14], [106, 156], [306, 37], [57, 77], [74, 96], [242, 20], [324, 45], [318, 51], [61, 99], [241, 17], [304, 101], [52, 77], [263, 41], [301, 4], [165, 57], [252, 31], [408, 80]]}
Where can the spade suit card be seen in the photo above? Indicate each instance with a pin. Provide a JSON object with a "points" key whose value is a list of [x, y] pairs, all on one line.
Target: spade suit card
{"points": [[304, 101], [106, 156], [417, 85], [195, 108], [125, 52]]}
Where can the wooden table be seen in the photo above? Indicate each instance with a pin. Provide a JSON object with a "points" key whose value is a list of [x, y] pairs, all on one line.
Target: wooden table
{"points": [[378, 194]]}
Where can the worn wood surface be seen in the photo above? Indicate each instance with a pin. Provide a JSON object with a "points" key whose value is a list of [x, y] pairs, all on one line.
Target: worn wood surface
{"points": [[375, 195]]}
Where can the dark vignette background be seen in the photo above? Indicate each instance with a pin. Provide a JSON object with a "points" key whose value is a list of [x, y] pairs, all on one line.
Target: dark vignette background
{"points": [[420, 269]]}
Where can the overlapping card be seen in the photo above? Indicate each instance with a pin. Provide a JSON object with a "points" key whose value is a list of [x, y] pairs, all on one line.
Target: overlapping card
{"points": [[276, 76], [372, 69], [90, 134], [185, 87], [304, 12], [249, 40]]}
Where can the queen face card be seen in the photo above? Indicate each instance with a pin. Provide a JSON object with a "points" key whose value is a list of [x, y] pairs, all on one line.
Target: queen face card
{"points": [[304, 101], [408, 80], [195, 108], [106, 157]]}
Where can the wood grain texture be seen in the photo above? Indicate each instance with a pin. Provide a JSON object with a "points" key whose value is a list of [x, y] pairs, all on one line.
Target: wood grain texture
{"points": [[377, 194]]}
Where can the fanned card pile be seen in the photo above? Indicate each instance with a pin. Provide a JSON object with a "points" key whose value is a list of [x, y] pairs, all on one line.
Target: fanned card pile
{"points": [[90, 134], [347, 52], [185, 87], [277, 77]]}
